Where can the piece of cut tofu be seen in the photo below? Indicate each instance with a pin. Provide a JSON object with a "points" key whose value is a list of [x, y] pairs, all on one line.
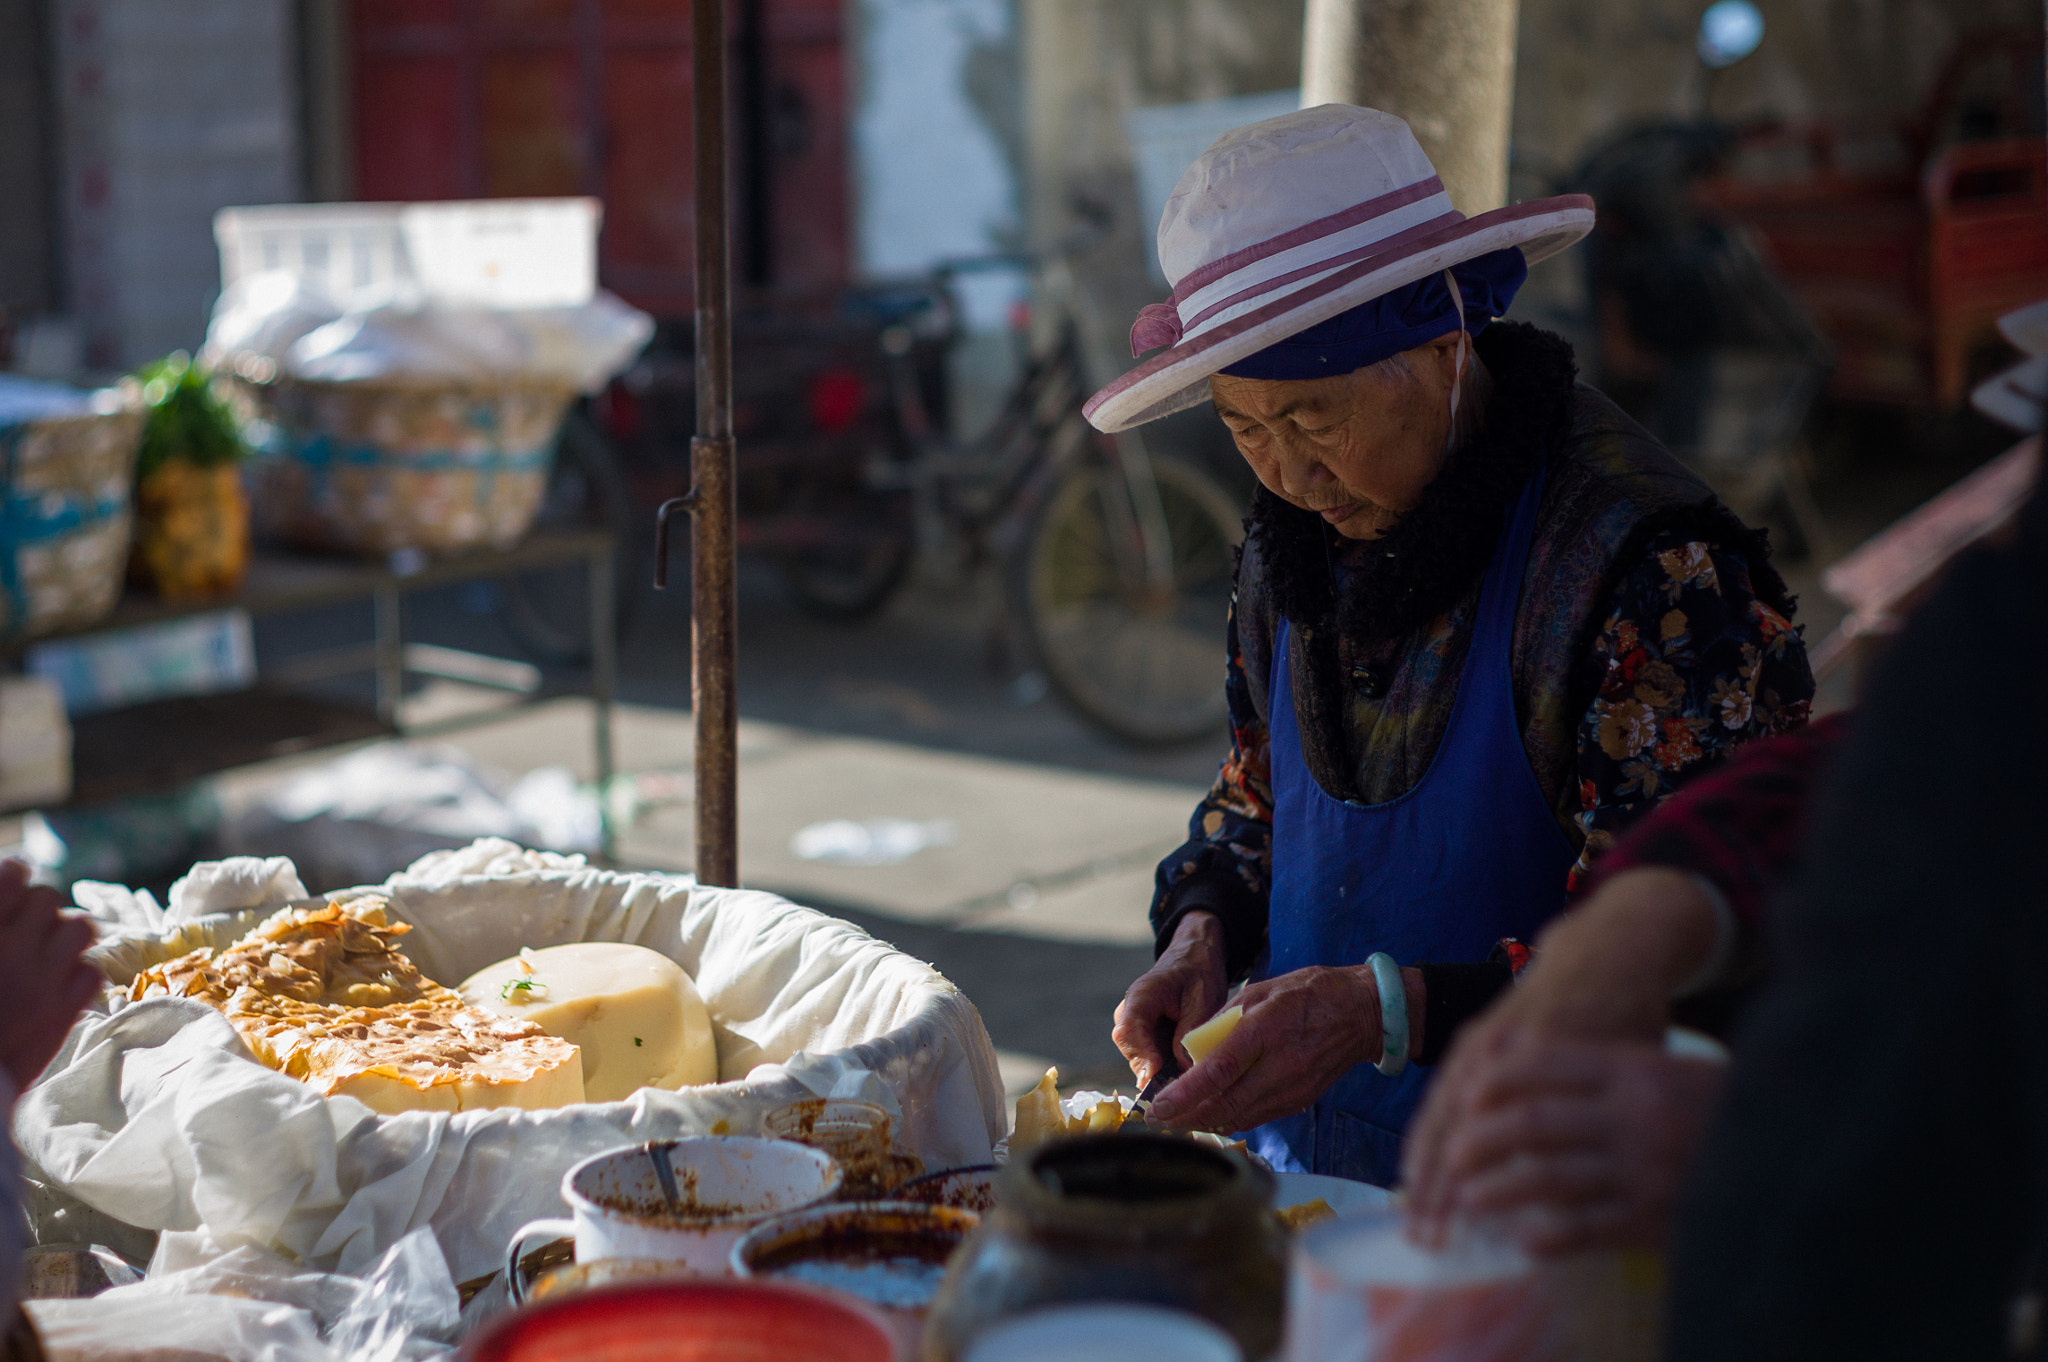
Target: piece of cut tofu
{"points": [[1039, 1117], [1211, 1033], [633, 1013]]}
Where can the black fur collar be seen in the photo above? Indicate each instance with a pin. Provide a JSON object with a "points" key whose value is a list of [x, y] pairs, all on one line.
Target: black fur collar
{"points": [[1432, 556]]}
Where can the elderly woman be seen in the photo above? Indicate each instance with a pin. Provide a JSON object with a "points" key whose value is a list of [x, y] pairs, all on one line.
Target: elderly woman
{"points": [[1482, 621]]}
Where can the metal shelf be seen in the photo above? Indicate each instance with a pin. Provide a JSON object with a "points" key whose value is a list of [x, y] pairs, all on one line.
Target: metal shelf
{"points": [[160, 745]]}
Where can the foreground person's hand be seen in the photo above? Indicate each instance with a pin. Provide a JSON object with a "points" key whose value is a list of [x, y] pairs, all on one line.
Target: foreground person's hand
{"points": [[42, 975], [1604, 971], [1301, 1032], [1185, 987], [1572, 1145]]}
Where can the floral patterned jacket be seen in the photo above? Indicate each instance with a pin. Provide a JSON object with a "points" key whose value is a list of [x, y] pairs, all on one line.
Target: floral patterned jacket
{"points": [[1653, 638]]}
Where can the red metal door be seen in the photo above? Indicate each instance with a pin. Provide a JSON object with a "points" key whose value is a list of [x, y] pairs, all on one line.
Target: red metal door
{"points": [[515, 98]]}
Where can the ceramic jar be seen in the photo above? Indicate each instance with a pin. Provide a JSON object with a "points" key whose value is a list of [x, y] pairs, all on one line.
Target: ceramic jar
{"points": [[1149, 1219]]}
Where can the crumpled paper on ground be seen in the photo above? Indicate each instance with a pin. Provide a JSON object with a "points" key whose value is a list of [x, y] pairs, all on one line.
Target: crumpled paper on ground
{"points": [[155, 1114]]}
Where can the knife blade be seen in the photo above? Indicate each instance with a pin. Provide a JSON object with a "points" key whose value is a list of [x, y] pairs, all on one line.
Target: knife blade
{"points": [[1167, 1071]]}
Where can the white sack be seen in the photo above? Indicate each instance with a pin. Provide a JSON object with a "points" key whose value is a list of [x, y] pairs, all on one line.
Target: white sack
{"points": [[211, 888], [156, 1115], [262, 315], [242, 1303], [276, 323]]}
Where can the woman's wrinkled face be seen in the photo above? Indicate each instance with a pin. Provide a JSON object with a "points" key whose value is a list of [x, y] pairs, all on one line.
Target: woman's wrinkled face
{"points": [[1357, 448]]}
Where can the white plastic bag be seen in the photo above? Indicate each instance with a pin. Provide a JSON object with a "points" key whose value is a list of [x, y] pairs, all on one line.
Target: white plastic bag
{"points": [[155, 1114], [274, 324], [243, 1303]]}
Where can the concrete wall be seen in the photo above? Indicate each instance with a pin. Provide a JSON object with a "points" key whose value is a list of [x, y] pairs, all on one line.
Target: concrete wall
{"points": [[937, 129], [936, 178], [1087, 64], [166, 112]]}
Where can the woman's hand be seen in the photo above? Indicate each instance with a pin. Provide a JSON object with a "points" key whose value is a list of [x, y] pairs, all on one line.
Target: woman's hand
{"points": [[1184, 987], [1301, 1032], [42, 975], [1572, 1145]]}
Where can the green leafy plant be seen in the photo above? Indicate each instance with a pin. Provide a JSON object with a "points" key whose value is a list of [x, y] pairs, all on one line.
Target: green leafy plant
{"points": [[186, 419]]}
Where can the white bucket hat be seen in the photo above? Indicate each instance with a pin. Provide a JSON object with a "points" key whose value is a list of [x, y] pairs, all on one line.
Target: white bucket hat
{"points": [[1283, 224]]}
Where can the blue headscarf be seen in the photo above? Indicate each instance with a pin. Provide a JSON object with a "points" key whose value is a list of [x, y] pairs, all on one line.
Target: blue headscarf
{"points": [[1385, 326]]}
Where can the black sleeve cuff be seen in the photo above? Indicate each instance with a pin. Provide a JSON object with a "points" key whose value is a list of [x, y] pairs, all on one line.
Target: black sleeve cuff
{"points": [[1451, 996], [1242, 913]]}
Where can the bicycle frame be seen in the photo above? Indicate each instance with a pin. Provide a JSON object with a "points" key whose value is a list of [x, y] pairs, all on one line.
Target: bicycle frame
{"points": [[978, 492]]}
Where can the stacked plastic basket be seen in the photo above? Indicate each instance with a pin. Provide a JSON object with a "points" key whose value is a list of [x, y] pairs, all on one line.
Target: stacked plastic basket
{"points": [[67, 466], [399, 455]]}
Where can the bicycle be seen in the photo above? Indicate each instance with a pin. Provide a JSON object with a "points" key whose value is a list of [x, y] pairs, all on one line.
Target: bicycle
{"points": [[1118, 565]]}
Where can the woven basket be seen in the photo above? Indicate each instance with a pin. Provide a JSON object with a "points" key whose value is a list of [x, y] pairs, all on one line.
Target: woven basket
{"points": [[379, 466], [65, 511]]}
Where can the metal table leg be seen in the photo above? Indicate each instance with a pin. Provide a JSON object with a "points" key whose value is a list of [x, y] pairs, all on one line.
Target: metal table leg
{"points": [[603, 674], [389, 601]]}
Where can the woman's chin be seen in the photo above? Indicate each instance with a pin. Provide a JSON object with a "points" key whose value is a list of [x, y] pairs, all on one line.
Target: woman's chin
{"points": [[1367, 522]]}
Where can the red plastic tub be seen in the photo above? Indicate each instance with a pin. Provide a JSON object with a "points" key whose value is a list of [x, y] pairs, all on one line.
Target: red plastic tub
{"points": [[687, 1321]]}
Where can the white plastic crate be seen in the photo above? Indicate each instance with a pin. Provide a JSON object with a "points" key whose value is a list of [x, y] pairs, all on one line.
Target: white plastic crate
{"points": [[509, 253]]}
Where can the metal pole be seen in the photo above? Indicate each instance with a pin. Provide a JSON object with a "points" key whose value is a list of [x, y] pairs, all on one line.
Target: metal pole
{"points": [[388, 606], [714, 610], [603, 683]]}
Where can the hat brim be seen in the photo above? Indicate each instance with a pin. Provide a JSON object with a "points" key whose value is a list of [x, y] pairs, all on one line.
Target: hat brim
{"points": [[2027, 328], [2015, 396], [1178, 377]]}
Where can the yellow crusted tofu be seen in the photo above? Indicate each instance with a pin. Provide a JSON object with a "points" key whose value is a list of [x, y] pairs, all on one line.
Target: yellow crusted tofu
{"points": [[325, 995], [632, 1012], [1039, 1117]]}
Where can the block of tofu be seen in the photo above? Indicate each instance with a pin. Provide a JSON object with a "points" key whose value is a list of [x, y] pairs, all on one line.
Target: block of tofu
{"points": [[633, 1013], [1211, 1033], [324, 995]]}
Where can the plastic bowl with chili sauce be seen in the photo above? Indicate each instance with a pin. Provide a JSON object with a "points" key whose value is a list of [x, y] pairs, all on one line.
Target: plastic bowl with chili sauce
{"points": [[687, 1321]]}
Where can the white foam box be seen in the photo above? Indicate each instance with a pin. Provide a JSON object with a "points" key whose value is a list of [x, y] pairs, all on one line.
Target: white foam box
{"points": [[35, 744]]}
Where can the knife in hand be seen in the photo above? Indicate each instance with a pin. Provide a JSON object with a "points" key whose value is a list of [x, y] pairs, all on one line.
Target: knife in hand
{"points": [[1168, 1070]]}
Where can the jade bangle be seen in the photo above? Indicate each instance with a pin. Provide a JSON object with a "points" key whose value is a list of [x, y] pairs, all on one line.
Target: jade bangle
{"points": [[1393, 1013]]}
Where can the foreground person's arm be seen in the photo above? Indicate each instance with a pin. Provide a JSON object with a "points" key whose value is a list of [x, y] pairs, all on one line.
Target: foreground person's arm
{"points": [[46, 983], [1557, 1111], [1676, 912], [1871, 1183]]}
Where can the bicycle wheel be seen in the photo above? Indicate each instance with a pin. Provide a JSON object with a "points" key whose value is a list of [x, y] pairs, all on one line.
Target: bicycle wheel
{"points": [[548, 612], [1142, 661]]}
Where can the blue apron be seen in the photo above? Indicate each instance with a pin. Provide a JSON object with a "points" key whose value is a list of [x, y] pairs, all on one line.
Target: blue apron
{"points": [[1471, 854]]}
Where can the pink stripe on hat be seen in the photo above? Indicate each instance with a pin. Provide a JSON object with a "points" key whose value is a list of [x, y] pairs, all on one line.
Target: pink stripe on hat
{"points": [[1363, 253], [1207, 274]]}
